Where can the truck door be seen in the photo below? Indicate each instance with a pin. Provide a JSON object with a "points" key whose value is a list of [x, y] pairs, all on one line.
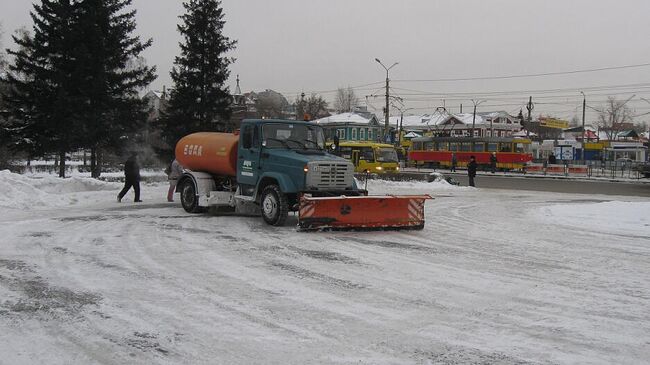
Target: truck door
{"points": [[248, 155]]}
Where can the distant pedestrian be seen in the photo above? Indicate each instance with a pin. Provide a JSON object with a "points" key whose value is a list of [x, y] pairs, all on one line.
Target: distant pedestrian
{"points": [[471, 170], [131, 178], [551, 159], [454, 162], [493, 162], [175, 173]]}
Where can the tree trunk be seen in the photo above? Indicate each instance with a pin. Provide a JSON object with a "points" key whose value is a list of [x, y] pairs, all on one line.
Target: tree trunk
{"points": [[98, 164], [62, 164], [93, 161]]}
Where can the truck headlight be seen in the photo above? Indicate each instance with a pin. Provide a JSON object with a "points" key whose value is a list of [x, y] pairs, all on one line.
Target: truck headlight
{"points": [[379, 168]]}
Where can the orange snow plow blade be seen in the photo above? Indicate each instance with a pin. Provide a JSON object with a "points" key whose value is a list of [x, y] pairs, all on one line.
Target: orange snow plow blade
{"points": [[363, 212]]}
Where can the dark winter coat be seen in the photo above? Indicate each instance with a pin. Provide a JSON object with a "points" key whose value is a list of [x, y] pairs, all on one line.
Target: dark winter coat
{"points": [[471, 168], [552, 159], [493, 160], [132, 169]]}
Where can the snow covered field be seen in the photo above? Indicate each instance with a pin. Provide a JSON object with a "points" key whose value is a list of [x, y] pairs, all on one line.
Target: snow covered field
{"points": [[496, 277]]}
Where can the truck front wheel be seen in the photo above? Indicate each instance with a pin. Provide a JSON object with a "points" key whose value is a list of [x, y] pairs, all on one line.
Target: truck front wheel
{"points": [[275, 206], [189, 200]]}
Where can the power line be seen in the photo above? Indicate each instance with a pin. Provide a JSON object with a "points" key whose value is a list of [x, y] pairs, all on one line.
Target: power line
{"points": [[528, 75], [537, 91], [357, 87]]}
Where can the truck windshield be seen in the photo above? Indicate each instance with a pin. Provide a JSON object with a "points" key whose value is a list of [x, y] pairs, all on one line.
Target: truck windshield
{"points": [[293, 136], [386, 154]]}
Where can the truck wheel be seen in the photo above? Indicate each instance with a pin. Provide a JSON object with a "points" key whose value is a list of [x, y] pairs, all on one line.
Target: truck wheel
{"points": [[189, 200], [275, 207]]}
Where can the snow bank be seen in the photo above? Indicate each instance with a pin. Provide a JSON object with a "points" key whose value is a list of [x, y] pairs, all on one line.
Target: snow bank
{"points": [[25, 192], [618, 217], [403, 187]]}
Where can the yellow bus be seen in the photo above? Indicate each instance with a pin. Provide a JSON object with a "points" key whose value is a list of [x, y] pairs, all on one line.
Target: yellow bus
{"points": [[370, 157]]}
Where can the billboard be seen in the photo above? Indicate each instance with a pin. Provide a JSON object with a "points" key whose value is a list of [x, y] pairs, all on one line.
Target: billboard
{"points": [[564, 152], [553, 123]]}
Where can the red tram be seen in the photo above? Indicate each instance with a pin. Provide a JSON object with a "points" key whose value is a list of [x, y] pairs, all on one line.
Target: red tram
{"points": [[512, 153]]}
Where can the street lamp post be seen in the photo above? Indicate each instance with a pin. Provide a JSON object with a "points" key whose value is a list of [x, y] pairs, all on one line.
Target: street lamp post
{"points": [[647, 154], [386, 111], [584, 106]]}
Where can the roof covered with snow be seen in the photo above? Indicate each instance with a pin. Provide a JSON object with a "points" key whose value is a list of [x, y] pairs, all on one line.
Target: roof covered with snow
{"points": [[346, 118], [438, 117]]}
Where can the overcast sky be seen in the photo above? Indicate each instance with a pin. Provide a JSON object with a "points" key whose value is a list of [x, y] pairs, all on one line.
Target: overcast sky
{"points": [[317, 46]]}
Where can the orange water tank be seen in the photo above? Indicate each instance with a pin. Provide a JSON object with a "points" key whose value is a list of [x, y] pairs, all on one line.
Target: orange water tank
{"points": [[209, 152]]}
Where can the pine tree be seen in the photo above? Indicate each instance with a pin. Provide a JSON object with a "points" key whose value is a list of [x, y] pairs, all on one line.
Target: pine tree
{"points": [[113, 72], [75, 80], [41, 78], [199, 101]]}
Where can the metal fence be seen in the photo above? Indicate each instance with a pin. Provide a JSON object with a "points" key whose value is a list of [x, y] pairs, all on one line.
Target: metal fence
{"points": [[618, 169], [607, 169]]}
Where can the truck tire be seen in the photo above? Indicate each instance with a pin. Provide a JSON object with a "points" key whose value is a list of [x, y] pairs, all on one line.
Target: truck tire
{"points": [[189, 200], [274, 206]]}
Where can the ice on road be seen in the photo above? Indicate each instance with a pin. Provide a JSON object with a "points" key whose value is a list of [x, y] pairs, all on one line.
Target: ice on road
{"points": [[496, 277]]}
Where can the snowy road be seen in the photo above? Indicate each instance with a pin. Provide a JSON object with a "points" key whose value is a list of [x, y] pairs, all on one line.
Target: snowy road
{"points": [[496, 276]]}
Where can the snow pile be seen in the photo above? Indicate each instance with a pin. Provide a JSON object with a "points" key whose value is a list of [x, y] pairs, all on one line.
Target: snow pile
{"points": [[25, 192], [398, 187], [629, 218]]}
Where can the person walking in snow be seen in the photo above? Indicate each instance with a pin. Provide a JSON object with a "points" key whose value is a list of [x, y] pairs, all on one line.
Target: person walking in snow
{"points": [[493, 162], [131, 178], [471, 170], [454, 162], [175, 173]]}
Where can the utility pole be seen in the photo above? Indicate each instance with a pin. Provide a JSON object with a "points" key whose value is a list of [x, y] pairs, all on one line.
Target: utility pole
{"points": [[399, 130], [530, 108], [399, 123], [461, 108], [584, 106], [386, 110], [476, 103], [474, 120]]}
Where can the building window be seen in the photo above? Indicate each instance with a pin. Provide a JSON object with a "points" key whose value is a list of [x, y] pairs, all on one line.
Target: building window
{"points": [[362, 134], [370, 134], [340, 133], [354, 134]]}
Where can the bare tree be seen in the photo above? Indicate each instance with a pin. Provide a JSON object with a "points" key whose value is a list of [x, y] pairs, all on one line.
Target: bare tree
{"points": [[315, 107], [614, 117], [345, 100]]}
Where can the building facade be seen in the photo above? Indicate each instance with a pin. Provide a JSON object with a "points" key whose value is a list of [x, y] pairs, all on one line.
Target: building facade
{"points": [[355, 126]]}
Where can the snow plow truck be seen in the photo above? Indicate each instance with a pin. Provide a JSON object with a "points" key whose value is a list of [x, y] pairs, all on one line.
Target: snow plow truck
{"points": [[273, 167]]}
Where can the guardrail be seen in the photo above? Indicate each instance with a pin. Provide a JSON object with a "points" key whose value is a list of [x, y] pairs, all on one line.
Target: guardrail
{"points": [[608, 169], [558, 169]]}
